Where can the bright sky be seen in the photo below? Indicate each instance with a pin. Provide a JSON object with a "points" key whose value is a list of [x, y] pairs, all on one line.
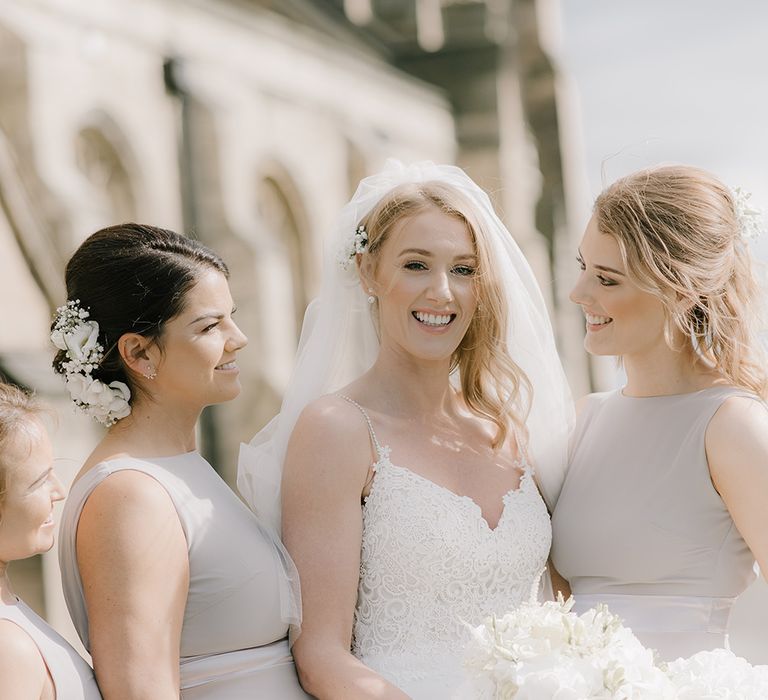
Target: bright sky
{"points": [[671, 81]]}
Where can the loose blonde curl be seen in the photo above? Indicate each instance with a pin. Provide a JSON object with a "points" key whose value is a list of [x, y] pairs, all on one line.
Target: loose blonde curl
{"points": [[492, 384], [680, 240], [17, 408]]}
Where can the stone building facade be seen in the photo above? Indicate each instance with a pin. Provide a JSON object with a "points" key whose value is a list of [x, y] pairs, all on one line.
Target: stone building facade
{"points": [[248, 123]]}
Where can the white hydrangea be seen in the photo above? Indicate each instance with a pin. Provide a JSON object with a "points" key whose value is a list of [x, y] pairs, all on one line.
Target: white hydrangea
{"points": [[718, 675]]}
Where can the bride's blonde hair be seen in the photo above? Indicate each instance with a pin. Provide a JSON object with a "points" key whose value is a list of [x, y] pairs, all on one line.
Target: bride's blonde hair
{"points": [[492, 384], [680, 239]]}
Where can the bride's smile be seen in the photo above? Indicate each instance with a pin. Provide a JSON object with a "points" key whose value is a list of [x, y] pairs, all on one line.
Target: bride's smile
{"points": [[425, 285]]}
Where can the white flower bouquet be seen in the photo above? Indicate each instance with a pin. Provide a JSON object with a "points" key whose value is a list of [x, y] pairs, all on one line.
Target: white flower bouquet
{"points": [[546, 652]]}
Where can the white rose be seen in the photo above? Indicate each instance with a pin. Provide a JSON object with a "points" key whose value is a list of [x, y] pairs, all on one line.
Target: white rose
{"points": [[97, 394], [120, 390], [78, 385], [562, 681], [119, 406], [81, 340], [100, 413], [57, 338]]}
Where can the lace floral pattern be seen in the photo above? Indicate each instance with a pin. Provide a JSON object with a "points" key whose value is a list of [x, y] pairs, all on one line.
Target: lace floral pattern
{"points": [[431, 566]]}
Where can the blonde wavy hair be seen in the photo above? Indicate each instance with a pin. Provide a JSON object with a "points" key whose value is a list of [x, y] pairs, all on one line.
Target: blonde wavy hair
{"points": [[17, 408], [680, 239], [492, 384]]}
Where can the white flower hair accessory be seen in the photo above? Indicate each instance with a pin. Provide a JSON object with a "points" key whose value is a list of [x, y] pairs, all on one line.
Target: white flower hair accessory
{"points": [[78, 337], [357, 243], [749, 217]]}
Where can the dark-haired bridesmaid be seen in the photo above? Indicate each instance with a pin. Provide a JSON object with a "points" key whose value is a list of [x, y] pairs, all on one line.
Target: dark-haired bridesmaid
{"points": [[173, 585]]}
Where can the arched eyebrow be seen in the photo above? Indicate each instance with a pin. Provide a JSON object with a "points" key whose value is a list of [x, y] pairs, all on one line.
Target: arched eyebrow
{"points": [[207, 316], [603, 268], [211, 315], [415, 251], [428, 254]]}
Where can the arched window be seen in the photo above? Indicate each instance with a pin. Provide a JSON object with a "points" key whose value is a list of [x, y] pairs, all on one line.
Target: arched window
{"points": [[102, 157], [283, 218]]}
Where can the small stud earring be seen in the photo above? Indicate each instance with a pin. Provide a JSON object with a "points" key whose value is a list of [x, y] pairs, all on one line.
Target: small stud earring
{"points": [[151, 373], [371, 298]]}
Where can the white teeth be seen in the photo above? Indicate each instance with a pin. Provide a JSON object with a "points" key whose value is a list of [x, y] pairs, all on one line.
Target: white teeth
{"points": [[433, 319], [229, 365], [597, 320]]}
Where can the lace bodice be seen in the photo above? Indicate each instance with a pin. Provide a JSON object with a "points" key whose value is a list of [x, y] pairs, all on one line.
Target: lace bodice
{"points": [[431, 567]]}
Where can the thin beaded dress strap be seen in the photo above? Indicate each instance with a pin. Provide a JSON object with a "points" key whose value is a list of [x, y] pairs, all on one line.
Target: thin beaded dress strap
{"points": [[382, 452]]}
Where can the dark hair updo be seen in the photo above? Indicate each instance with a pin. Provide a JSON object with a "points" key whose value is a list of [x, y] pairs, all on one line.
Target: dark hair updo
{"points": [[133, 278]]}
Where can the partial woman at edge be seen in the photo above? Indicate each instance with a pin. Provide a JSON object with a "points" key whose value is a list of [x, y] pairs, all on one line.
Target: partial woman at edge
{"points": [[36, 662]]}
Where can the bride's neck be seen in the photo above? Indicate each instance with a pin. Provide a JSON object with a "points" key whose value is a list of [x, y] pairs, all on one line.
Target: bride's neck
{"points": [[415, 387]]}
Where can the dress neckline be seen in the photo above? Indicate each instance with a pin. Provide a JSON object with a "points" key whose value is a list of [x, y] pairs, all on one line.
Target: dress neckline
{"points": [[103, 464], [525, 476], [382, 459], [191, 453], [685, 394]]}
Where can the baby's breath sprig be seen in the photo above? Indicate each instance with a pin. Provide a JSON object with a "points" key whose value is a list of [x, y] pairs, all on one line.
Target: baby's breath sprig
{"points": [[749, 217], [357, 243]]}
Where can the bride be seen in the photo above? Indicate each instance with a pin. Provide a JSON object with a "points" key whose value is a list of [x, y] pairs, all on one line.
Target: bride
{"points": [[432, 406]]}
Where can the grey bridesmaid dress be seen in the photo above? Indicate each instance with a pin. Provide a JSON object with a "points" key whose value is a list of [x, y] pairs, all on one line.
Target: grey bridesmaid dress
{"points": [[72, 677], [640, 526], [233, 640]]}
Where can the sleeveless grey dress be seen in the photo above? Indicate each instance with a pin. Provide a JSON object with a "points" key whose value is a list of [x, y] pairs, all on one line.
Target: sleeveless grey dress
{"points": [[72, 676], [639, 525], [233, 641]]}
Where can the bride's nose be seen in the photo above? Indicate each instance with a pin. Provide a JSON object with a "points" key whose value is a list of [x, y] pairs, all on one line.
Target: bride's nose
{"points": [[440, 288]]}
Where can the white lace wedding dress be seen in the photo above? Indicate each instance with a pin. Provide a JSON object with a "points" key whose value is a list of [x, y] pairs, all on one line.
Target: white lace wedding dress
{"points": [[431, 567]]}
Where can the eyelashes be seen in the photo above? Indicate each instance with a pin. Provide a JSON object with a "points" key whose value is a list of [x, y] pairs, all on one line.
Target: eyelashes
{"points": [[460, 270], [604, 281]]}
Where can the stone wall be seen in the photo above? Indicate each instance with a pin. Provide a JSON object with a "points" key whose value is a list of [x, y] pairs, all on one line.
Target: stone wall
{"points": [[283, 123]]}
